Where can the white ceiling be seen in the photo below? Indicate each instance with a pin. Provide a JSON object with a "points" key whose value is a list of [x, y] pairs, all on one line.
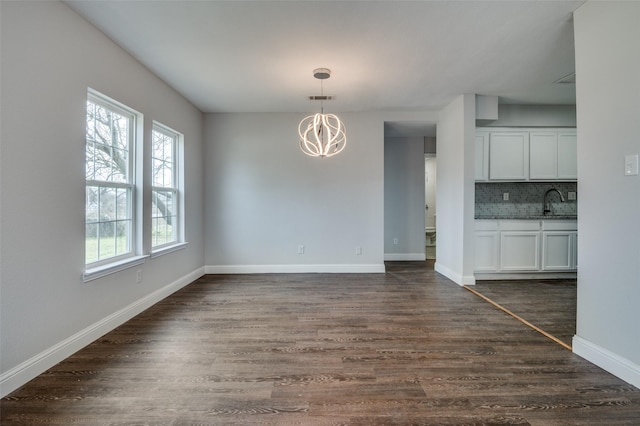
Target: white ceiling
{"points": [[258, 56]]}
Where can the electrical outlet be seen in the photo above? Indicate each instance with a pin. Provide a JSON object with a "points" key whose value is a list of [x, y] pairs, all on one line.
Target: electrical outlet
{"points": [[358, 250], [139, 276], [571, 195], [301, 249], [505, 196], [395, 241]]}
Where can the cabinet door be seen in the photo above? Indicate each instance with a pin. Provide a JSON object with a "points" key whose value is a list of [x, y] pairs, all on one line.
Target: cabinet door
{"points": [[574, 257], [543, 162], [482, 156], [557, 250], [486, 255], [567, 155], [519, 251], [509, 156]]}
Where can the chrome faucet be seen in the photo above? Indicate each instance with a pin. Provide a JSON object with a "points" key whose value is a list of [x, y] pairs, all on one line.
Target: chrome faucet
{"points": [[546, 207]]}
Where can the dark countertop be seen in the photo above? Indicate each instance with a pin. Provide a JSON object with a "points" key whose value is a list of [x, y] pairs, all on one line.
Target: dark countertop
{"points": [[533, 217]]}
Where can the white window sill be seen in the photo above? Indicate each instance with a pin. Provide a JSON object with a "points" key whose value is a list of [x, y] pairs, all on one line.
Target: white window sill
{"points": [[104, 270], [168, 249]]}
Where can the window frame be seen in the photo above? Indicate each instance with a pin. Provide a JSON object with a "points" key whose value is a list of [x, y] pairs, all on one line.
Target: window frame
{"points": [[176, 188]]}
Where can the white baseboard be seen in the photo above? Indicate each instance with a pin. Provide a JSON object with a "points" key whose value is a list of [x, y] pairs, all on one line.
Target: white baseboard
{"points": [[295, 269], [607, 360], [404, 256], [454, 276], [22, 373], [480, 276]]}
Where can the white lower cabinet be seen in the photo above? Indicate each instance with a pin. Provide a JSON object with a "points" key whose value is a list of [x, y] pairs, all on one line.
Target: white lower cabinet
{"points": [[525, 246], [557, 250], [520, 251], [487, 249]]}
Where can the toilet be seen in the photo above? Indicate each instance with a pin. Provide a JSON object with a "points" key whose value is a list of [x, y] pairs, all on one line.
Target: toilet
{"points": [[430, 241], [430, 233]]}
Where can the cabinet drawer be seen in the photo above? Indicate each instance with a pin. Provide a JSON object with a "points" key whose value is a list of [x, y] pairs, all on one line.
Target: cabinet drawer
{"points": [[559, 225], [486, 225], [519, 225]]}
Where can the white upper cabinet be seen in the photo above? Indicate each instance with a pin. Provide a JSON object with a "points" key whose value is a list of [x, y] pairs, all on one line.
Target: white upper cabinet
{"points": [[482, 156], [567, 155], [543, 155], [509, 156]]}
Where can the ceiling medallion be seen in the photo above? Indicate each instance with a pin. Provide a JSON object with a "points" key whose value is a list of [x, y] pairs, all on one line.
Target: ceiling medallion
{"points": [[322, 135]]}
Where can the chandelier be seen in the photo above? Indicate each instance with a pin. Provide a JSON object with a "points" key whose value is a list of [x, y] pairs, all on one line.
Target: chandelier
{"points": [[322, 135]]}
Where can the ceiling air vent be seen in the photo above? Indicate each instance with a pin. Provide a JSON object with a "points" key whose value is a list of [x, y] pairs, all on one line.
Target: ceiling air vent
{"points": [[321, 97], [567, 79]]}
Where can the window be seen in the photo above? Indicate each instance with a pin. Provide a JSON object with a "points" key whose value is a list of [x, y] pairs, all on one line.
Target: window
{"points": [[110, 224], [165, 225]]}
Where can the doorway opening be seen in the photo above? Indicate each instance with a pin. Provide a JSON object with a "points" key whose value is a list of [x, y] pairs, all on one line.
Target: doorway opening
{"points": [[407, 213], [430, 166]]}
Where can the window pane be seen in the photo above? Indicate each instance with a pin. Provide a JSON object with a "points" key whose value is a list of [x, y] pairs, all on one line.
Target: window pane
{"points": [[154, 231], [163, 165], [158, 167], [107, 204], [168, 175], [91, 121], [123, 231], [91, 243], [123, 204], [119, 163], [107, 240], [102, 126], [120, 129], [164, 217], [90, 166], [168, 149], [158, 145], [92, 207], [169, 203], [108, 134]]}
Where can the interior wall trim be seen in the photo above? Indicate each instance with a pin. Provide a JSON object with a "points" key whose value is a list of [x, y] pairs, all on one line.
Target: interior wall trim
{"points": [[364, 268], [607, 360], [454, 276], [405, 256], [27, 370]]}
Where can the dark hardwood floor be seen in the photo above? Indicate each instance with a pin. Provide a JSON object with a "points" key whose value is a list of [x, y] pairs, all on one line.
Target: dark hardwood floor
{"points": [[407, 347], [547, 304]]}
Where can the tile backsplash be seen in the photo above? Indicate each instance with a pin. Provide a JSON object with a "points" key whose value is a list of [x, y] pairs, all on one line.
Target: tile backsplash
{"points": [[525, 199]]}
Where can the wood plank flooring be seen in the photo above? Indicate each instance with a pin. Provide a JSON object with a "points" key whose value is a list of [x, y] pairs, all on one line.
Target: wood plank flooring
{"points": [[548, 304], [407, 347]]}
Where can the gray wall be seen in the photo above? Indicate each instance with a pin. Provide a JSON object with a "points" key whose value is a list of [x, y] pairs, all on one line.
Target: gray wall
{"points": [[50, 56], [265, 197], [608, 99], [404, 198]]}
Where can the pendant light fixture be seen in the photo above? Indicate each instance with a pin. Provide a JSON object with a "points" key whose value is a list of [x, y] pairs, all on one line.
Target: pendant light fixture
{"points": [[322, 135]]}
